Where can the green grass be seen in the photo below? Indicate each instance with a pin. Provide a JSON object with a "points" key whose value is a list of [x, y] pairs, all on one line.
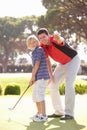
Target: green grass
{"points": [[23, 82], [79, 81], [21, 116]]}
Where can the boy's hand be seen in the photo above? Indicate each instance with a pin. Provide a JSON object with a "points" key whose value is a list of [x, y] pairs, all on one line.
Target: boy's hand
{"points": [[51, 79], [32, 80]]}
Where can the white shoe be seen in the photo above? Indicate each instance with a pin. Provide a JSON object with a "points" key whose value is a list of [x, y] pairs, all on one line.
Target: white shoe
{"points": [[35, 116], [40, 118]]}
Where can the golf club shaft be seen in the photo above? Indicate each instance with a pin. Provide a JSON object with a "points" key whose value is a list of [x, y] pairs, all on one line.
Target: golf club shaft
{"points": [[19, 98]]}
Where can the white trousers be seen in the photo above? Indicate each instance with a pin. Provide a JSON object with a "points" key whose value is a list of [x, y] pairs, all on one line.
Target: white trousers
{"points": [[68, 72]]}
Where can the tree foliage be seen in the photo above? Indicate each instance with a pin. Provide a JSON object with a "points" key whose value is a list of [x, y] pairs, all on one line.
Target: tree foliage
{"points": [[66, 16], [13, 36]]}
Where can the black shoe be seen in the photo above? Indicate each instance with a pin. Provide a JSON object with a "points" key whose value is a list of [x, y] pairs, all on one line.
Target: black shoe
{"points": [[66, 117], [54, 116]]}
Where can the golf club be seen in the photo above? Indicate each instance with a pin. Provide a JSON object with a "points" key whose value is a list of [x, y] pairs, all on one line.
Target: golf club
{"points": [[19, 99]]}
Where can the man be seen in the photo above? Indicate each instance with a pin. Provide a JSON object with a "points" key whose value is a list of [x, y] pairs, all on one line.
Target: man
{"points": [[57, 48]]}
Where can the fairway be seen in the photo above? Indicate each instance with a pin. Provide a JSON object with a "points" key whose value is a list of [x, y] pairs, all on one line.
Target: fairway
{"points": [[20, 117]]}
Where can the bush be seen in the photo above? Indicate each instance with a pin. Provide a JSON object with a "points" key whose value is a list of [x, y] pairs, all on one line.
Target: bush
{"points": [[12, 89], [62, 89], [0, 90], [81, 89]]}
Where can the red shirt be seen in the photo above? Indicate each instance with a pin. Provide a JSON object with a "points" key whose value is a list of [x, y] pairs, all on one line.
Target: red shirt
{"points": [[63, 53]]}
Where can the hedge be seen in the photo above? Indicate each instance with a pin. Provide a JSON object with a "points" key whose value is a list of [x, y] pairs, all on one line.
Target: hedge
{"points": [[12, 89]]}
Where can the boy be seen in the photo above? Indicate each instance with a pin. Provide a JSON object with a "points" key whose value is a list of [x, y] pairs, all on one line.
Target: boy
{"points": [[39, 77]]}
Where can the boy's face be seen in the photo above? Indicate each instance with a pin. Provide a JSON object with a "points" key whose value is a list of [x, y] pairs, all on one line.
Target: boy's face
{"points": [[33, 44], [44, 38]]}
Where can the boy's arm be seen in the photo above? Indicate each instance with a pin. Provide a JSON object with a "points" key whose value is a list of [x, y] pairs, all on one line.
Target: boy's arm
{"points": [[34, 71]]}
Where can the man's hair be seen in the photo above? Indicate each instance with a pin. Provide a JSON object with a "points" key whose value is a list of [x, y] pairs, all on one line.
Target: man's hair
{"points": [[42, 30]]}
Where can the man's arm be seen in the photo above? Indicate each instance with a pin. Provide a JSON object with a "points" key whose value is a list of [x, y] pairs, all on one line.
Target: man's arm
{"points": [[50, 70], [34, 71]]}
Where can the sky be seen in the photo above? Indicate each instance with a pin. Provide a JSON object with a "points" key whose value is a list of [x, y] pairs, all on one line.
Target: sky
{"points": [[20, 8]]}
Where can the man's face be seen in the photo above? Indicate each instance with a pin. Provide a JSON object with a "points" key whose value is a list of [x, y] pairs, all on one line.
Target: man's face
{"points": [[44, 38]]}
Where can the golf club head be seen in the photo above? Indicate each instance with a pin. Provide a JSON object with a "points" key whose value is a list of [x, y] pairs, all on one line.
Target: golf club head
{"points": [[9, 120], [11, 109], [19, 99]]}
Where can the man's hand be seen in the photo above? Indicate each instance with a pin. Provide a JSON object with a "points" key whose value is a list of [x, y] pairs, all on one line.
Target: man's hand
{"points": [[58, 38]]}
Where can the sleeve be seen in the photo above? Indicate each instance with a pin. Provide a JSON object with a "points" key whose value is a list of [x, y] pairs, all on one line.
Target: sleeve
{"points": [[45, 50], [39, 54]]}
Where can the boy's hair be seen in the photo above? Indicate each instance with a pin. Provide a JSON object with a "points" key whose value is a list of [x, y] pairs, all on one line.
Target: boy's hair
{"points": [[42, 30], [30, 38]]}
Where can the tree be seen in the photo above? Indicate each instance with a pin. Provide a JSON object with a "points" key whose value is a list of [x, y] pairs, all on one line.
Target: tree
{"points": [[12, 36], [67, 16]]}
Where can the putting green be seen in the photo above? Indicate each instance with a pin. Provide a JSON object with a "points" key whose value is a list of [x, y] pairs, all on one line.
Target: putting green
{"points": [[20, 117]]}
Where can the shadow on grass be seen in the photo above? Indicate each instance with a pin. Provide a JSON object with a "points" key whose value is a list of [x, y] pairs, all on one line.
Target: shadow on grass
{"points": [[55, 124]]}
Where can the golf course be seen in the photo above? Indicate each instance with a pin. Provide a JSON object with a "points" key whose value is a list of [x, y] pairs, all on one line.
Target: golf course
{"points": [[20, 117]]}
